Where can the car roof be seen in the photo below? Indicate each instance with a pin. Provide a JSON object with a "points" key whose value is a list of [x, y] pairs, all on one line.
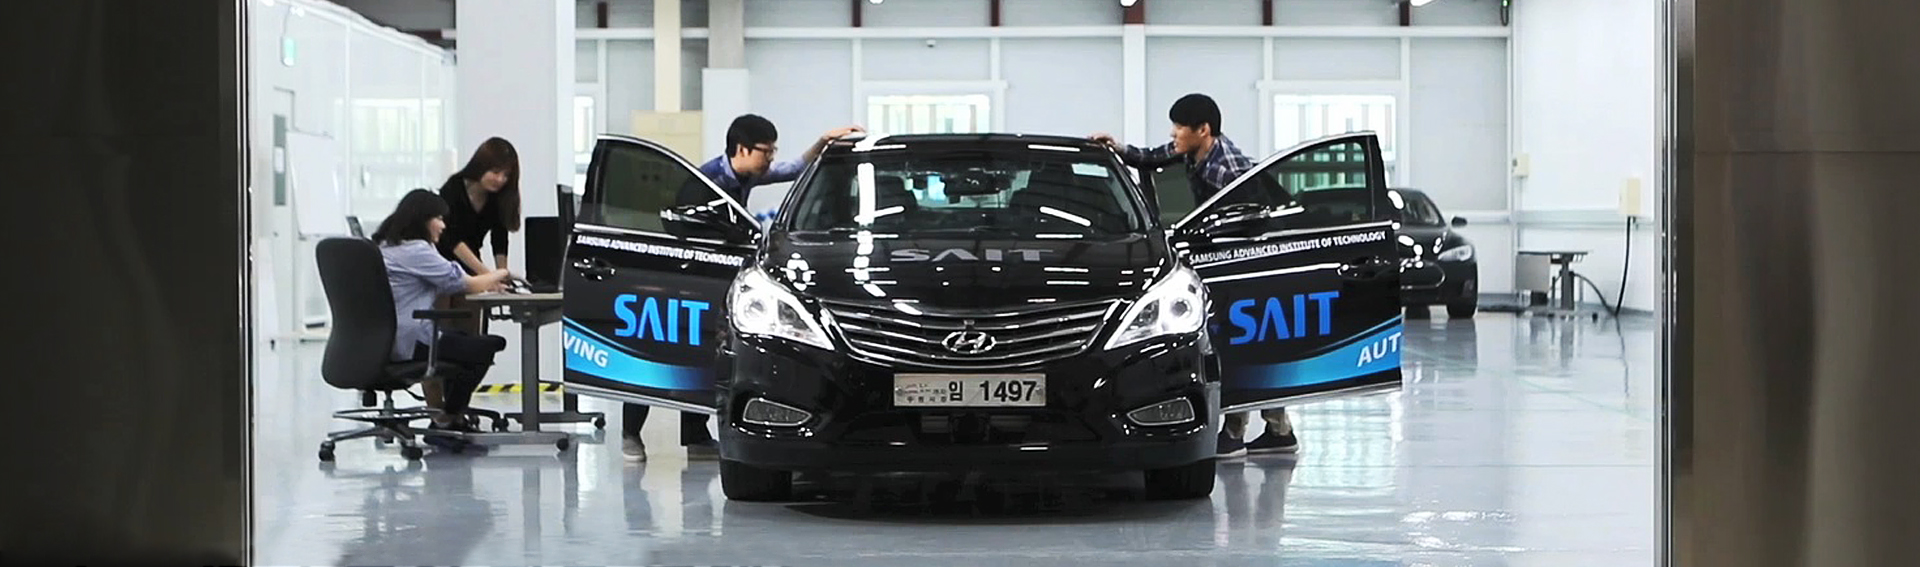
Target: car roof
{"points": [[936, 142]]}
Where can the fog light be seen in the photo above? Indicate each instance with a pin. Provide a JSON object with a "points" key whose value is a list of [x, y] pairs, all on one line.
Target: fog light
{"points": [[1177, 410], [759, 411]]}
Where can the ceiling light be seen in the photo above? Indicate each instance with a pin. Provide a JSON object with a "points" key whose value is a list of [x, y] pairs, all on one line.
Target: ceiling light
{"points": [[1419, 3], [1128, 3], [874, 1]]}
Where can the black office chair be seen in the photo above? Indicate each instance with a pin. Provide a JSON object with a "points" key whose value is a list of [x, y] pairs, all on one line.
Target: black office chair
{"points": [[359, 350]]}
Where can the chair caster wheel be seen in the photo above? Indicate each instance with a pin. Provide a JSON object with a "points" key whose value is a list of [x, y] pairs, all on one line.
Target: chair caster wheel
{"points": [[326, 455], [563, 443], [599, 423], [500, 425], [413, 452]]}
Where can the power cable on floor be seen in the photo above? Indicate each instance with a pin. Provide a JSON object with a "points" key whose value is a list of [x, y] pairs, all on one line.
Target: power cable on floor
{"points": [[1626, 265]]}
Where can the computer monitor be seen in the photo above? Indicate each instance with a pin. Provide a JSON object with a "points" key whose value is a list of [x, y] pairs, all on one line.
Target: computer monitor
{"points": [[546, 251], [569, 203]]}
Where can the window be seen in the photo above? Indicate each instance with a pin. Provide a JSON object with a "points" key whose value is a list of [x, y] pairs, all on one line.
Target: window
{"points": [[929, 114], [641, 188], [1319, 187], [1010, 191], [1298, 118]]}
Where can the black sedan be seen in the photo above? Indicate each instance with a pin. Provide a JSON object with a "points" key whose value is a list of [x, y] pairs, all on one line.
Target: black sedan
{"points": [[1438, 266]]}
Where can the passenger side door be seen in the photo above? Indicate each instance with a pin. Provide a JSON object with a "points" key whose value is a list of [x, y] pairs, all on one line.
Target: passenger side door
{"points": [[1302, 275], [652, 255]]}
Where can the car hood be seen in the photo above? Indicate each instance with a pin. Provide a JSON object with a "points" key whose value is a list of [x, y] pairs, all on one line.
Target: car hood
{"points": [[959, 272]]}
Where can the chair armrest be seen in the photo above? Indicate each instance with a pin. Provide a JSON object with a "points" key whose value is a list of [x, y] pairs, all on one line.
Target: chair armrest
{"points": [[442, 314]]}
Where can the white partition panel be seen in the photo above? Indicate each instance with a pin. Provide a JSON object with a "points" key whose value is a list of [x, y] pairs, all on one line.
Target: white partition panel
{"points": [[383, 98]]}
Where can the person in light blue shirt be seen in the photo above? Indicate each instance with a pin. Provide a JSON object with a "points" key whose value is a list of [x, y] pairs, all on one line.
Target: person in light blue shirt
{"points": [[747, 163], [418, 274]]}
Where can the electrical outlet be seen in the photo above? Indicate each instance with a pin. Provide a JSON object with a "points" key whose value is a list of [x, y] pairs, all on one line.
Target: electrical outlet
{"points": [[1630, 194], [1521, 166]]}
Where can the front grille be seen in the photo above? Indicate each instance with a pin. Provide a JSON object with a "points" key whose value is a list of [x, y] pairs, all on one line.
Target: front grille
{"points": [[1024, 337]]}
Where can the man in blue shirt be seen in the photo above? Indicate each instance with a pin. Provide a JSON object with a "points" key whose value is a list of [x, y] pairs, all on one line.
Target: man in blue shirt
{"points": [[748, 163], [1212, 162]]}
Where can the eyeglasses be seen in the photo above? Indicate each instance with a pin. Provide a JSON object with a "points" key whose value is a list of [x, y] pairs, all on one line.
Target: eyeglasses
{"points": [[769, 148]]}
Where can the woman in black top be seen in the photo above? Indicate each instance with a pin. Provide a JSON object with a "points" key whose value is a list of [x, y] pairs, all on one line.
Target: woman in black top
{"points": [[484, 203]]}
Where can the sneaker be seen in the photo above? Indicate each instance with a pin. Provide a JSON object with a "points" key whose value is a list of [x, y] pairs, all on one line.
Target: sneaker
{"points": [[703, 451], [1230, 447], [633, 449], [1275, 443], [436, 435]]}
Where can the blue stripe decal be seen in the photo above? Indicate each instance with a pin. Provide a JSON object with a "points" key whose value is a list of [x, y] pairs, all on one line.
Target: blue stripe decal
{"points": [[1376, 351], [588, 354]]}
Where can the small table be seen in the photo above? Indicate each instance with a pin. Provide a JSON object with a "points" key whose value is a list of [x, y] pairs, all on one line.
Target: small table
{"points": [[532, 311], [1564, 259]]}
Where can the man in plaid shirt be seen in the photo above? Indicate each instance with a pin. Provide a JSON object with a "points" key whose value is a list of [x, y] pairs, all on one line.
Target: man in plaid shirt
{"points": [[1212, 159], [1212, 162]]}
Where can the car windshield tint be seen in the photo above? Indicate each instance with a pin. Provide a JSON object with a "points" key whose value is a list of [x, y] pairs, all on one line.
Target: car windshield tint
{"points": [[1018, 192], [1419, 211]]}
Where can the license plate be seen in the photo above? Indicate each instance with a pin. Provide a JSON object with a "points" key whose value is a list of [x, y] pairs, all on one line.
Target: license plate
{"points": [[969, 390]]}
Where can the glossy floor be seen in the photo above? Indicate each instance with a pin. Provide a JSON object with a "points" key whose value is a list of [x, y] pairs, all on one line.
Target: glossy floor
{"points": [[1517, 441]]}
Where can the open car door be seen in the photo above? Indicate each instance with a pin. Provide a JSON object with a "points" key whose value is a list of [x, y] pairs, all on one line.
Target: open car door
{"points": [[1302, 274], [652, 254]]}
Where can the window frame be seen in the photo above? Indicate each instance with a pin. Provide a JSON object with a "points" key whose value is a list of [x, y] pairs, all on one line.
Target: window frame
{"points": [[1398, 169]]}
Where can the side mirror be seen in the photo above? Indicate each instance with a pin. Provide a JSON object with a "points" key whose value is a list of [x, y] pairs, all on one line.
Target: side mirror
{"points": [[1459, 222]]}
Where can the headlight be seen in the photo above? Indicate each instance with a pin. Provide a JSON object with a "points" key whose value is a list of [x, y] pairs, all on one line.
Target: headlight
{"points": [[1174, 306], [1461, 253], [759, 306]]}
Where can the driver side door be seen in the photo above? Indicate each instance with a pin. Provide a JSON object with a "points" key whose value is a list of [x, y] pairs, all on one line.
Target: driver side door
{"points": [[652, 255], [1302, 274]]}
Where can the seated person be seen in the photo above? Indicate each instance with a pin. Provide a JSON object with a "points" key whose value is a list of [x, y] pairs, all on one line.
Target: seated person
{"points": [[418, 273]]}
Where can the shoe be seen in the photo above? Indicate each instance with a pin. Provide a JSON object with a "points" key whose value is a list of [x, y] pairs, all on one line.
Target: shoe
{"points": [[703, 451], [435, 435], [633, 449], [1275, 443], [1230, 447]]}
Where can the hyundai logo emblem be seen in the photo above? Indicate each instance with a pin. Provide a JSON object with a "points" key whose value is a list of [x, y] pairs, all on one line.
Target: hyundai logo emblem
{"points": [[969, 342]]}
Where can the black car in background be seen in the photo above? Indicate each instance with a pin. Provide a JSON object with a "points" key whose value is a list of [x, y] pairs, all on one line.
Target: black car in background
{"points": [[1438, 263], [955, 303]]}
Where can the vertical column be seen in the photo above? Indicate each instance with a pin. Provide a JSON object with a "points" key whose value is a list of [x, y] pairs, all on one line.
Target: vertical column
{"points": [[1133, 80], [514, 76], [515, 80], [724, 93], [1791, 368], [666, 56]]}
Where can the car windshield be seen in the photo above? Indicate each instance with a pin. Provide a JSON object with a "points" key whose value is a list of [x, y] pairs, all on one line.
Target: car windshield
{"points": [[1020, 192], [1417, 210]]}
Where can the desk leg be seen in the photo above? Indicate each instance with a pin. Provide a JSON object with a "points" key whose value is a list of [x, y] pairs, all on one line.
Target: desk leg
{"points": [[1567, 287], [530, 376]]}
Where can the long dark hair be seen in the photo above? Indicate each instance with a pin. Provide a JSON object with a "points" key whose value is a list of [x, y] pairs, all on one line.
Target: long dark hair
{"points": [[409, 219], [496, 154]]}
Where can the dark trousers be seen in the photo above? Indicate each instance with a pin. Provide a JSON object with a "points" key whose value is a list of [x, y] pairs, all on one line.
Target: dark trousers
{"points": [[470, 356], [693, 426]]}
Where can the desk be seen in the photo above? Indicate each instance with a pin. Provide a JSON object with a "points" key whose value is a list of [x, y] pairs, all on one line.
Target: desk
{"points": [[532, 311], [1568, 283]]}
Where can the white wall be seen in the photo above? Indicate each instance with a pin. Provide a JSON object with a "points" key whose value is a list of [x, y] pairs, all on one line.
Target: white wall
{"points": [[1587, 92]]}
